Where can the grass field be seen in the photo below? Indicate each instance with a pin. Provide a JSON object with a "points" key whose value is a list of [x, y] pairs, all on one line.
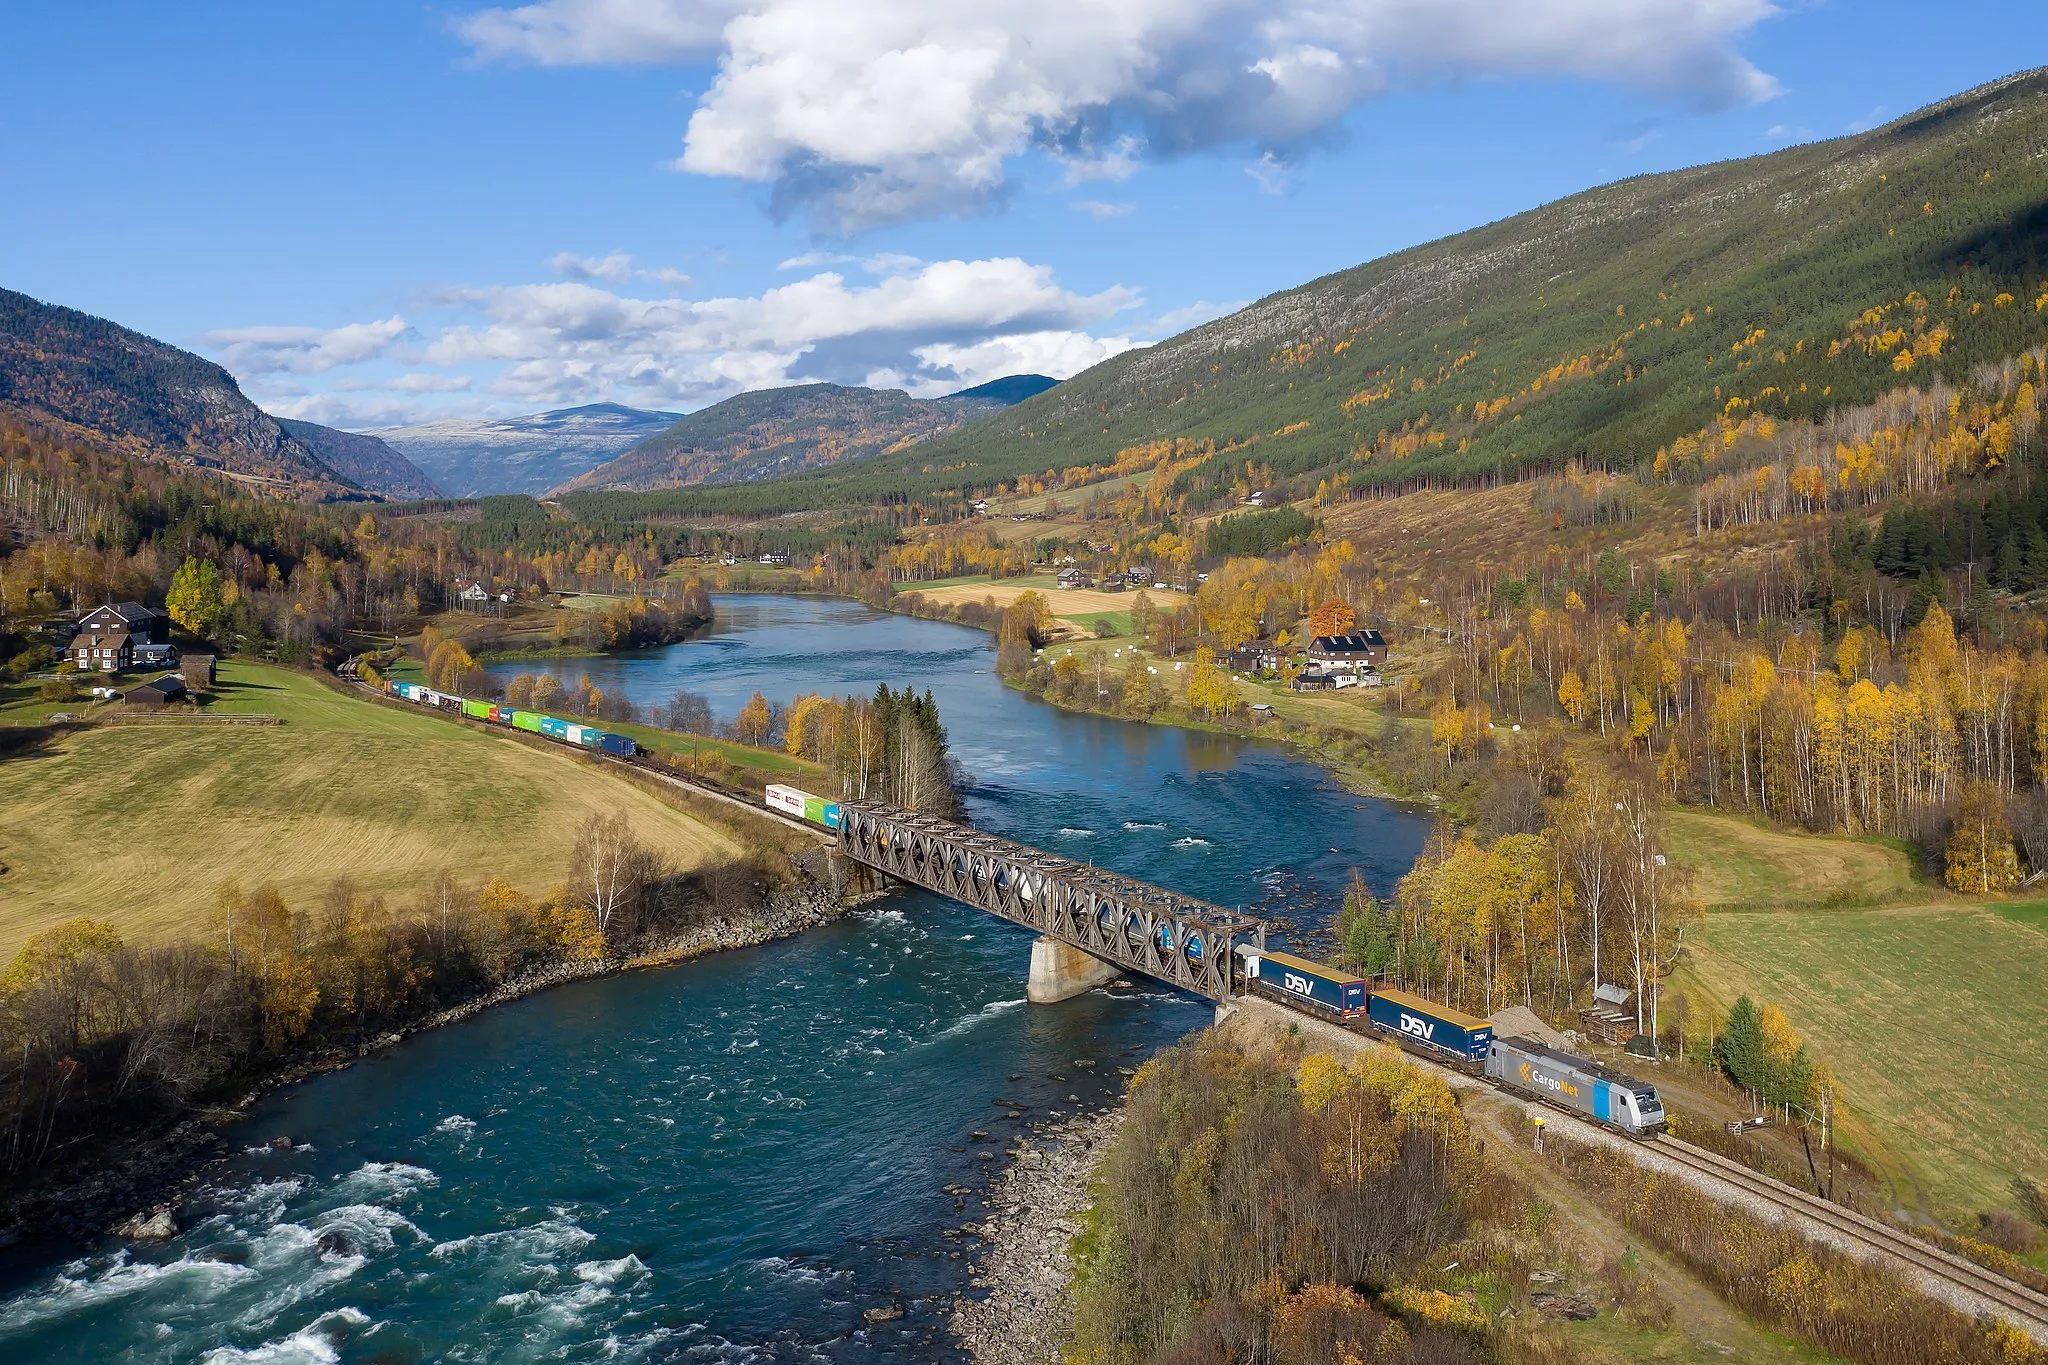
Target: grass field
{"points": [[1743, 864], [137, 825], [1079, 607], [1932, 1016]]}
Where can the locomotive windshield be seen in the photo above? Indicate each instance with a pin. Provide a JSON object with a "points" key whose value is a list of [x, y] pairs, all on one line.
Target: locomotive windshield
{"points": [[1646, 1097]]}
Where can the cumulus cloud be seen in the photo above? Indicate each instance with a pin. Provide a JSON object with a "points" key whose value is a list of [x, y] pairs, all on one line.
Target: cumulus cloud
{"points": [[929, 327], [871, 111], [616, 267], [304, 350]]}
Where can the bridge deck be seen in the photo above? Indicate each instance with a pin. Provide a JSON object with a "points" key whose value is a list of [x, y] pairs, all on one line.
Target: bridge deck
{"points": [[1140, 927]]}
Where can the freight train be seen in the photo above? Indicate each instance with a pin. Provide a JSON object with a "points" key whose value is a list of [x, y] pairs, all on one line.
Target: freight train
{"points": [[533, 722], [1578, 1084], [801, 805]]}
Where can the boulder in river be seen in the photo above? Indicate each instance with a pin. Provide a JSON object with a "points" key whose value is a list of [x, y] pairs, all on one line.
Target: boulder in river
{"points": [[280, 1144], [149, 1227], [335, 1242], [887, 1314]]}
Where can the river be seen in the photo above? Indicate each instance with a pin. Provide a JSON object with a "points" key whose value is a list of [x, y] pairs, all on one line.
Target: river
{"points": [[731, 1159]]}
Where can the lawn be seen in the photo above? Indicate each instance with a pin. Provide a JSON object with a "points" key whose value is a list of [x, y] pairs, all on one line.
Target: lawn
{"points": [[1933, 1018], [1744, 864], [138, 824]]}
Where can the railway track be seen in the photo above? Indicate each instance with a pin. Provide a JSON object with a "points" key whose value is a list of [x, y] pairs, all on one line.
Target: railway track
{"points": [[2023, 1307]]}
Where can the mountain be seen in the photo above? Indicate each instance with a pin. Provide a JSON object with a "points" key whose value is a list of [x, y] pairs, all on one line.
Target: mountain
{"points": [[99, 381], [1011, 389], [773, 432], [1598, 328], [471, 459], [363, 460]]}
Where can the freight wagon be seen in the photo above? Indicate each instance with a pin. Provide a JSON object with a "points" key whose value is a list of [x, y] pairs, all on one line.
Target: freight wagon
{"points": [[1436, 1030], [1292, 978], [1576, 1083], [569, 732], [801, 805]]}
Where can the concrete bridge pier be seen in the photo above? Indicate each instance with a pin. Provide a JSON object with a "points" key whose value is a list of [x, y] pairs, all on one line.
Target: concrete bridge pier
{"points": [[1060, 971]]}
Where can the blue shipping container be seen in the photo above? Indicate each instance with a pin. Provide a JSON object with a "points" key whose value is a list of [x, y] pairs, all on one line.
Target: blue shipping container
{"points": [[1337, 991], [1433, 1027], [831, 819], [617, 744]]}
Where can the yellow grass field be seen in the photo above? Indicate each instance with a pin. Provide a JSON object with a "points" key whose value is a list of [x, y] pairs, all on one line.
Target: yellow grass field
{"points": [[1065, 602], [138, 824], [1744, 864]]}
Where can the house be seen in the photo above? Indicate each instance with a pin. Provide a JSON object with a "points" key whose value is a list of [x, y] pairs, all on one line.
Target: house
{"points": [[981, 507], [155, 655], [157, 692], [1139, 576], [1352, 653], [143, 625], [1312, 681], [775, 557], [473, 594], [110, 653], [1074, 578], [1257, 657]]}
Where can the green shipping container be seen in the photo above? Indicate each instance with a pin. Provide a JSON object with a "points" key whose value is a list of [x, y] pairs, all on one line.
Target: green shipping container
{"points": [[477, 710], [526, 720], [814, 809]]}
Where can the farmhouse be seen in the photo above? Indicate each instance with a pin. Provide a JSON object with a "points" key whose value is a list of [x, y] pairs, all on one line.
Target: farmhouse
{"points": [[1074, 578], [1351, 653], [473, 593], [121, 635], [144, 625]]}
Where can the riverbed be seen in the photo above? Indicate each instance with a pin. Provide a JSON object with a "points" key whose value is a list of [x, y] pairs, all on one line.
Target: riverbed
{"points": [[736, 1158]]}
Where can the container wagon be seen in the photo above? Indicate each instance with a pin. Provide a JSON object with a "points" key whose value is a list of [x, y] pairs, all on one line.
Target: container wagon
{"points": [[1329, 989], [1435, 1030], [788, 800], [1575, 1083], [477, 710]]}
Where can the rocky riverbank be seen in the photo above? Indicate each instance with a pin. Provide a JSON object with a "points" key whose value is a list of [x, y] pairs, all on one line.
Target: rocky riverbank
{"points": [[133, 1187], [1018, 1308]]}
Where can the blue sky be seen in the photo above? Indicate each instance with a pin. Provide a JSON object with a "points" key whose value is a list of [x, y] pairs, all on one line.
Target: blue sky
{"points": [[378, 211]]}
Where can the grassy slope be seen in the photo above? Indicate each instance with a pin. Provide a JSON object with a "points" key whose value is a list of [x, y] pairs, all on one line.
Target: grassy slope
{"points": [[138, 825], [1797, 243], [1930, 1012]]}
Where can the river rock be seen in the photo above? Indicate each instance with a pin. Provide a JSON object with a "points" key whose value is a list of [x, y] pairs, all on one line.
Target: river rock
{"points": [[336, 1243], [280, 1144], [149, 1227], [888, 1314]]}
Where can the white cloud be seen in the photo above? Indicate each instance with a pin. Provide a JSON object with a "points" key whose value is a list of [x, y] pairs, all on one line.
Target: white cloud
{"points": [[616, 267], [1178, 320], [933, 325], [304, 350], [1271, 174], [1100, 209], [871, 111]]}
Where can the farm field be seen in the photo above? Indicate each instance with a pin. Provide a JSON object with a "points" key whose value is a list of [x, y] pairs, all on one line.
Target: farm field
{"points": [[1069, 604], [1743, 864], [1931, 1017], [138, 824]]}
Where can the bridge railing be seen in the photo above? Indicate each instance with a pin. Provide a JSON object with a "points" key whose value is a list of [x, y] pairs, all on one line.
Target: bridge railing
{"points": [[1140, 927]]}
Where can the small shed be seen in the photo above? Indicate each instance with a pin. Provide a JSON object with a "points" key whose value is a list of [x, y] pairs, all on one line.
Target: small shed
{"points": [[198, 669], [1612, 1016], [156, 692]]}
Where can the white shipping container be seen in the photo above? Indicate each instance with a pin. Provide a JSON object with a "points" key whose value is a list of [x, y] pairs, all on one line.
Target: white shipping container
{"points": [[575, 734], [788, 800]]}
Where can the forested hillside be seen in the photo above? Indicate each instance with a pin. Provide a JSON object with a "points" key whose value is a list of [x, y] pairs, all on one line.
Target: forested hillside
{"points": [[774, 432], [137, 395], [1600, 329], [363, 460]]}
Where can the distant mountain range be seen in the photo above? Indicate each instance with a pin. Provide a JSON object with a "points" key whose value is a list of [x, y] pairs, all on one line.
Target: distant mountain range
{"points": [[774, 432], [112, 387], [470, 459], [363, 460]]}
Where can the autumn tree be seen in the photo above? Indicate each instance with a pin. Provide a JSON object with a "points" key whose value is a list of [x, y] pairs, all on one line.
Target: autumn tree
{"points": [[752, 723], [1333, 617], [1979, 857], [608, 870], [194, 600], [1210, 689]]}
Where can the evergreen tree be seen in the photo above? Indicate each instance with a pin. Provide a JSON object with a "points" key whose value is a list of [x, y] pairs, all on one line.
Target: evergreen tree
{"points": [[1739, 1051]]}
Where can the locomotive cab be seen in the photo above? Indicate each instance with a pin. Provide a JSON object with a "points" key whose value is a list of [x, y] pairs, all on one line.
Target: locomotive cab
{"points": [[1645, 1108]]}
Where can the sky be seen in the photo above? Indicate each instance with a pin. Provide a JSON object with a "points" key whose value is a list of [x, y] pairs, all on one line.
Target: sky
{"points": [[381, 212]]}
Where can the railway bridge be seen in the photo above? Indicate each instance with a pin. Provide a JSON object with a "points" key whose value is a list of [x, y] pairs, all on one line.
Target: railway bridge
{"points": [[1093, 924]]}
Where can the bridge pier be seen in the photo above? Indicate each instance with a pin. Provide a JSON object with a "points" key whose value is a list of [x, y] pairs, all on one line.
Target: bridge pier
{"points": [[1060, 971]]}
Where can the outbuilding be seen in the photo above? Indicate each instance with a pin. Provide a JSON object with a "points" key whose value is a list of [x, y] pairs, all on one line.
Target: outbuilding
{"points": [[157, 692]]}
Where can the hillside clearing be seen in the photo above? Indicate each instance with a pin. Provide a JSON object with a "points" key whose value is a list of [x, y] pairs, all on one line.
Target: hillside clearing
{"points": [[1930, 1015], [1744, 864], [138, 825], [1066, 603]]}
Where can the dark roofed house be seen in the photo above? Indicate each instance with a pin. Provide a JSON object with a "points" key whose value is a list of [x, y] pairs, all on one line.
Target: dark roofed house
{"points": [[109, 652], [144, 625], [1359, 650], [170, 687]]}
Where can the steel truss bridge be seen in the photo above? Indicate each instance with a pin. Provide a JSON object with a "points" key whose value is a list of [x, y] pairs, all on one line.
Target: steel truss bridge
{"points": [[1139, 927]]}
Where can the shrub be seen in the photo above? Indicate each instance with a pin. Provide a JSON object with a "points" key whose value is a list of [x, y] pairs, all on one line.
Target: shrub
{"points": [[57, 689]]}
